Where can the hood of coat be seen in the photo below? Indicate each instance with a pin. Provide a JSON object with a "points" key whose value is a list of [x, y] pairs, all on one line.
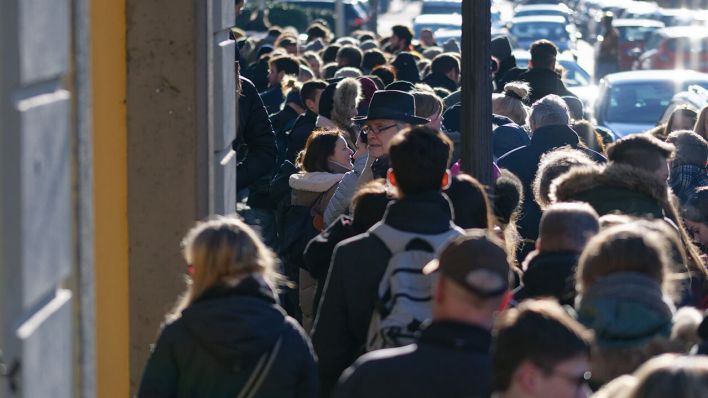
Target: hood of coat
{"points": [[582, 180], [346, 99], [236, 324], [318, 181], [625, 309]]}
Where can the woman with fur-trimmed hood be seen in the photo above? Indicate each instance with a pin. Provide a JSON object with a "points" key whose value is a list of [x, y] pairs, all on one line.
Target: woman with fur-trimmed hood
{"points": [[338, 105], [633, 183]]}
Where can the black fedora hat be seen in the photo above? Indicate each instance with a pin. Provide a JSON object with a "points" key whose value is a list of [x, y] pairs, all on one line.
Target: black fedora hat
{"points": [[394, 105]]}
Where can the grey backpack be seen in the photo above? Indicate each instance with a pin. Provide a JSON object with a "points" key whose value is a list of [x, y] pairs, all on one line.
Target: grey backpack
{"points": [[404, 293]]}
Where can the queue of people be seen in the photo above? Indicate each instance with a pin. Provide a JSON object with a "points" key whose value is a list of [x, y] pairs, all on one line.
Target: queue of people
{"points": [[366, 264]]}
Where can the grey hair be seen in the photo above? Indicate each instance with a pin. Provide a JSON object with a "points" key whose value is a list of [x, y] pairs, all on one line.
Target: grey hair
{"points": [[549, 110]]}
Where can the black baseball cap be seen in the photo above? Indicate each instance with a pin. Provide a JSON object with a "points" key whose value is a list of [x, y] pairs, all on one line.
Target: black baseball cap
{"points": [[476, 261]]}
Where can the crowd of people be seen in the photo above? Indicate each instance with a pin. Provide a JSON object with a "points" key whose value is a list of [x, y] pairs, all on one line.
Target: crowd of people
{"points": [[366, 264]]}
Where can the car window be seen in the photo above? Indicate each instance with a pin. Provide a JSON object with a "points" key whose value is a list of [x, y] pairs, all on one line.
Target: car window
{"points": [[641, 103], [635, 33], [540, 30], [573, 76], [440, 7], [654, 41]]}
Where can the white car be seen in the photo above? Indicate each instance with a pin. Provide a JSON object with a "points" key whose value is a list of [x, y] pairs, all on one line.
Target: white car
{"points": [[633, 102], [436, 22]]}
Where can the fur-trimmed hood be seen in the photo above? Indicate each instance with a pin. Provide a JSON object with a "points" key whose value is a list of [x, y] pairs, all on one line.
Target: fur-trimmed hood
{"points": [[318, 181], [346, 98], [580, 184]]}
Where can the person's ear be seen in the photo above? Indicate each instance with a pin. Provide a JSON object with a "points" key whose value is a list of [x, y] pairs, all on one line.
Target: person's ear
{"points": [[538, 244], [391, 177], [446, 180], [525, 376], [439, 291]]}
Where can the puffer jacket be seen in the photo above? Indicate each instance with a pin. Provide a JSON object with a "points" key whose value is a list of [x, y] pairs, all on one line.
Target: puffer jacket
{"points": [[213, 348], [340, 201]]}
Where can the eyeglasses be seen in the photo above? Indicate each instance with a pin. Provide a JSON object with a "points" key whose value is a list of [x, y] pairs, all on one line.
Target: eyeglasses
{"points": [[371, 129], [577, 380]]}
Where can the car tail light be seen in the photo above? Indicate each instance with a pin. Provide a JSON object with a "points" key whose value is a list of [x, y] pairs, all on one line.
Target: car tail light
{"points": [[358, 21]]}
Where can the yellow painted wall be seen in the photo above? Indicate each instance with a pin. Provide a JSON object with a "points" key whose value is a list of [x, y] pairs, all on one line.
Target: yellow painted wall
{"points": [[108, 53]]}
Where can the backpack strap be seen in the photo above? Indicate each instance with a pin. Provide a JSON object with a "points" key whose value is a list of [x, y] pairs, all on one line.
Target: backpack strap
{"points": [[260, 372]]}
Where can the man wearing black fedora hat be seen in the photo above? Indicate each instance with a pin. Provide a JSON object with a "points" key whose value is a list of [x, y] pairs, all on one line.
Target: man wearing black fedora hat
{"points": [[390, 111]]}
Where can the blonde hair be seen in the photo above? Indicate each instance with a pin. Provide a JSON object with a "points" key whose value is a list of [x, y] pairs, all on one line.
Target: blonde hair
{"points": [[671, 375], [700, 127], [222, 252], [510, 103]]}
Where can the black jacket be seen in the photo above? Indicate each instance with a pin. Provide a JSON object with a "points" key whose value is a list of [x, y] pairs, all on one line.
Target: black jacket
{"points": [[550, 274], [273, 99], [523, 162], [350, 292], [439, 80], [304, 125], [212, 349], [543, 82], [255, 140], [451, 359]]}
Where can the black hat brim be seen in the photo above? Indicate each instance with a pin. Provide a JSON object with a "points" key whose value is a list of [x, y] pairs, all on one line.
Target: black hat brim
{"points": [[415, 120]]}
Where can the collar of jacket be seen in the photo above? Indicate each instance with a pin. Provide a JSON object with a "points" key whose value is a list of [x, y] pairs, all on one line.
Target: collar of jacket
{"points": [[425, 213], [457, 335], [253, 286], [554, 136], [541, 258], [616, 175], [316, 181]]}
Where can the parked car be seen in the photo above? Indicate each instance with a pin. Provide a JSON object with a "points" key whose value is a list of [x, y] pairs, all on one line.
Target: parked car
{"points": [[695, 98], [441, 7], [527, 30], [680, 47], [633, 34], [435, 22], [355, 12], [633, 102], [559, 10]]}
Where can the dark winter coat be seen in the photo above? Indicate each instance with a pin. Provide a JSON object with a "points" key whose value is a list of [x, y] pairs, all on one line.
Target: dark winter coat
{"points": [[273, 99], [451, 360], [523, 162], [255, 140], [505, 66], [350, 292], [542, 81], [439, 80], [304, 125], [549, 274], [211, 350]]}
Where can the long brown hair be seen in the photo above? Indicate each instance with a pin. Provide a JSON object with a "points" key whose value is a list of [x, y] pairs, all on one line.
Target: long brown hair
{"points": [[222, 252], [319, 147], [700, 127]]}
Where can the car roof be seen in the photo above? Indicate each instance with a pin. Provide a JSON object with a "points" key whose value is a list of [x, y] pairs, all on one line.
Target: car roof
{"points": [[539, 18], [654, 75], [526, 54], [552, 7], [683, 31], [447, 19], [618, 23]]}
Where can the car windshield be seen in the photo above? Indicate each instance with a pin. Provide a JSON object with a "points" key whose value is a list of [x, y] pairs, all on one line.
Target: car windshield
{"points": [[533, 13], [643, 102], [539, 30], [635, 33], [441, 7]]}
